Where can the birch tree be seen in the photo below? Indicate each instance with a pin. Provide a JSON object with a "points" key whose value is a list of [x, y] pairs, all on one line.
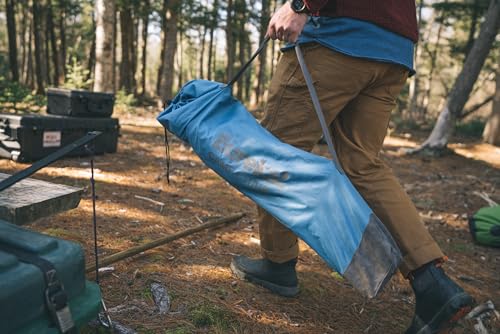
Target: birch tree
{"points": [[491, 133], [464, 83], [104, 17]]}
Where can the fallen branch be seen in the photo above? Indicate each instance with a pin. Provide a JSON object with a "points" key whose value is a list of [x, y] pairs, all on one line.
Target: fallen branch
{"points": [[90, 267], [150, 200], [486, 197], [467, 112]]}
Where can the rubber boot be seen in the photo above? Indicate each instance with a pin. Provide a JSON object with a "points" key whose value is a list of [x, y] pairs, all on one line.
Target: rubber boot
{"points": [[280, 278], [440, 302]]}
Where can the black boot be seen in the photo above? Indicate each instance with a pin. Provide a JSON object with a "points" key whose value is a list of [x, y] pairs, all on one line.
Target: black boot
{"points": [[280, 278], [440, 302]]}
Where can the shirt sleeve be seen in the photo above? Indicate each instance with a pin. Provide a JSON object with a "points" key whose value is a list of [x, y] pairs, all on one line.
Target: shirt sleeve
{"points": [[314, 6]]}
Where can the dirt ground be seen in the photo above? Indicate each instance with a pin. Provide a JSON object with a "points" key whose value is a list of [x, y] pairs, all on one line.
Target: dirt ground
{"points": [[205, 297]]}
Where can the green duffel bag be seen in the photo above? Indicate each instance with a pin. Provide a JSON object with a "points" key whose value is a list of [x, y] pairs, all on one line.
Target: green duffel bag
{"points": [[485, 226], [43, 289]]}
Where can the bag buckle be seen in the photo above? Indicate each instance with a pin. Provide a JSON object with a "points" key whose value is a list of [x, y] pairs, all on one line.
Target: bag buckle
{"points": [[57, 303]]}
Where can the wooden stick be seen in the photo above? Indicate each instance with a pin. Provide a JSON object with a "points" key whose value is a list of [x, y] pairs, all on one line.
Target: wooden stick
{"points": [[161, 204], [486, 197], [159, 242], [149, 200]]}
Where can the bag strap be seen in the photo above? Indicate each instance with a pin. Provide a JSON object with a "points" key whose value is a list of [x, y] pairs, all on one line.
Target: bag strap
{"points": [[244, 67], [55, 297], [317, 107]]}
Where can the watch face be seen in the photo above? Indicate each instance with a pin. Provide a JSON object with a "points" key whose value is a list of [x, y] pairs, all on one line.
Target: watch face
{"points": [[298, 6]]}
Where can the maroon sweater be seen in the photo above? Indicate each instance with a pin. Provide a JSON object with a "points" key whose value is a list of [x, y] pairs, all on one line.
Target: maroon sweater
{"points": [[398, 16]]}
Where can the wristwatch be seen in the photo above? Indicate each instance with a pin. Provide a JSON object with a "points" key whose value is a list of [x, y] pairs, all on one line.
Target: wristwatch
{"points": [[298, 6]]}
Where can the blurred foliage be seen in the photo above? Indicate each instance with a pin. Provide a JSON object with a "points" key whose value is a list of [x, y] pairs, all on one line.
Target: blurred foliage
{"points": [[80, 28], [125, 101], [17, 96], [472, 128], [77, 76], [403, 124]]}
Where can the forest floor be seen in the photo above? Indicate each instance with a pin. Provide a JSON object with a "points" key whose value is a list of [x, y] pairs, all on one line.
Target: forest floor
{"points": [[205, 296]]}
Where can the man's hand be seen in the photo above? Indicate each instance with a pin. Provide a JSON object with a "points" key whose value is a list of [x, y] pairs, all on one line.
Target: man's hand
{"points": [[286, 25]]}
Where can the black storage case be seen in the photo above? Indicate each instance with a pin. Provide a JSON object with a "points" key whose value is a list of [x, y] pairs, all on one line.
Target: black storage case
{"points": [[30, 137], [79, 103]]}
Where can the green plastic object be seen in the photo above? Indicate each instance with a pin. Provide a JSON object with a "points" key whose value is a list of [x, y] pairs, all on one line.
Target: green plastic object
{"points": [[485, 226], [22, 286]]}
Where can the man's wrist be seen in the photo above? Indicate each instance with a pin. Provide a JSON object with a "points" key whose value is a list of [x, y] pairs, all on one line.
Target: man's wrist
{"points": [[299, 7]]}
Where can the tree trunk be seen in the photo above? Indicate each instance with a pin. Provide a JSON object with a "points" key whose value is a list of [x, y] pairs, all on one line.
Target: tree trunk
{"points": [[213, 26], [203, 39], [134, 52], [167, 81], [462, 87], [261, 77], [104, 67], [230, 44], [433, 56], [91, 61], [248, 74], [145, 24], [30, 71], [241, 37], [473, 24], [37, 29], [491, 134], [180, 61], [115, 48], [127, 38], [11, 28], [273, 44], [46, 42], [163, 46], [415, 83], [241, 60], [62, 34], [24, 29], [53, 42]]}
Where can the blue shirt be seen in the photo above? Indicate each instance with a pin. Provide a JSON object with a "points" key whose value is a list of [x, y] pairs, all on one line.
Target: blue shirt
{"points": [[360, 39]]}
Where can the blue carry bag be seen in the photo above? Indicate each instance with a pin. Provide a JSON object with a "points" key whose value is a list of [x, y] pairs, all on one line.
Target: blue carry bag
{"points": [[307, 193]]}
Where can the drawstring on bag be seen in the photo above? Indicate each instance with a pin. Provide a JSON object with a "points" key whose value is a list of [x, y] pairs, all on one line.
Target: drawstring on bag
{"points": [[167, 155], [167, 146]]}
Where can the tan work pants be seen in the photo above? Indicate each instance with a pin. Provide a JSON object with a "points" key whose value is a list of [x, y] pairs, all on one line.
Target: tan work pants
{"points": [[357, 97]]}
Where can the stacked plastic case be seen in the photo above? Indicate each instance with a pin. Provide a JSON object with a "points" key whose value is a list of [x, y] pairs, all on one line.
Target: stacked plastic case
{"points": [[71, 114]]}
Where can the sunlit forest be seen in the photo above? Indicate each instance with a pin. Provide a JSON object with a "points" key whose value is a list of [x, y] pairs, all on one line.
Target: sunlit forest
{"points": [[145, 50], [163, 227]]}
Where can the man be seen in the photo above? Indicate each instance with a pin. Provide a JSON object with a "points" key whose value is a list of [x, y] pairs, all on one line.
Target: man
{"points": [[359, 54]]}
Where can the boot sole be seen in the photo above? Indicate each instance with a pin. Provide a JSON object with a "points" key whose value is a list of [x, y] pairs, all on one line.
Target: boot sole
{"points": [[453, 319], [281, 290]]}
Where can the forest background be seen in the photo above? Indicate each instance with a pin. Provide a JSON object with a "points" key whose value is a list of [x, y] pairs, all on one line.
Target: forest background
{"points": [[145, 50]]}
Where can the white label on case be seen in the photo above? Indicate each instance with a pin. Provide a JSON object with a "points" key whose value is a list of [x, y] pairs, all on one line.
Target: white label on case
{"points": [[52, 139]]}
